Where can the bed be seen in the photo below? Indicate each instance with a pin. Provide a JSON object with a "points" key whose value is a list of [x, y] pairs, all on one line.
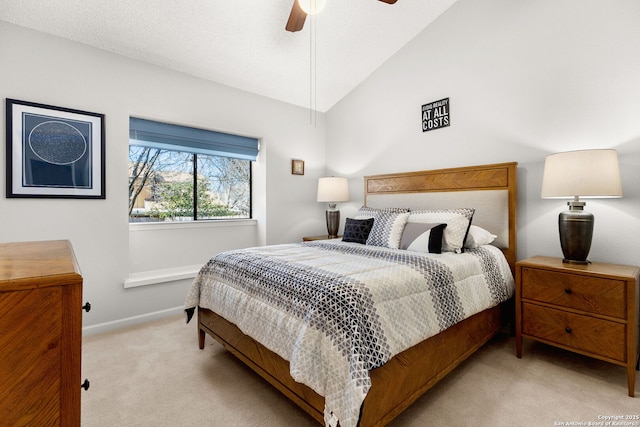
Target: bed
{"points": [[396, 379]]}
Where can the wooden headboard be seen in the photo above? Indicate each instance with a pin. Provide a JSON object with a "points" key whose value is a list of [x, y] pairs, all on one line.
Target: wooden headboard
{"points": [[490, 189]]}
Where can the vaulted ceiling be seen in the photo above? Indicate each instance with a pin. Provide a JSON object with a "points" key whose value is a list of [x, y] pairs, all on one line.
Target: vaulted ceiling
{"points": [[241, 43]]}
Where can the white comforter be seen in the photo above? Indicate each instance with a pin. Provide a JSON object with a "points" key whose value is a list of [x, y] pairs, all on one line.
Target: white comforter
{"points": [[336, 310]]}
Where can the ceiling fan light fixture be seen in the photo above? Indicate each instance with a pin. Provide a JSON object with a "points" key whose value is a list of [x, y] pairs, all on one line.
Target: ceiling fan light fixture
{"points": [[312, 7]]}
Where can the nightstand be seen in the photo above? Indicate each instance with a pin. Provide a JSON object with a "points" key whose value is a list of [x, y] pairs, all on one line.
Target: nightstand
{"points": [[588, 309], [324, 237]]}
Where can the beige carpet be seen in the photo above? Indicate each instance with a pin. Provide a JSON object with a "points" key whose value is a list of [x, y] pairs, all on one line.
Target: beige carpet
{"points": [[155, 375]]}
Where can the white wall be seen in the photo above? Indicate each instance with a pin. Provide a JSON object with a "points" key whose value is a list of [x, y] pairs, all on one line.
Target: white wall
{"points": [[525, 79], [39, 68]]}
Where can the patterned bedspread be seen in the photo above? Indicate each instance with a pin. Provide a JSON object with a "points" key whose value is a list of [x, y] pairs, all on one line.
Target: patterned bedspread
{"points": [[336, 310]]}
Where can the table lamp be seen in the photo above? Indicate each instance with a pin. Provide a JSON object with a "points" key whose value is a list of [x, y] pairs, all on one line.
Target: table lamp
{"points": [[575, 174], [331, 190]]}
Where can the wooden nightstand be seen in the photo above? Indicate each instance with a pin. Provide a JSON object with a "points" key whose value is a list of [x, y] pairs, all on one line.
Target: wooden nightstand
{"points": [[589, 309], [312, 238]]}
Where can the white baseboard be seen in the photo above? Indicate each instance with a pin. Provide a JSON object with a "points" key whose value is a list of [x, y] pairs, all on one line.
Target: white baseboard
{"points": [[130, 321]]}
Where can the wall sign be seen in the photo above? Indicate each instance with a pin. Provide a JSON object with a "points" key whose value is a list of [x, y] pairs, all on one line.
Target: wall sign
{"points": [[435, 115]]}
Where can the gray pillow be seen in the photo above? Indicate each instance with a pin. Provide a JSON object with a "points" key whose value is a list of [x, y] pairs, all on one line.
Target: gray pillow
{"points": [[457, 220], [422, 237]]}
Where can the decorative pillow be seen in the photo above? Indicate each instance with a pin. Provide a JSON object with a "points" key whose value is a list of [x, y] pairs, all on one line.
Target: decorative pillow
{"points": [[422, 237], [477, 237], [367, 212], [457, 220], [357, 230], [387, 229]]}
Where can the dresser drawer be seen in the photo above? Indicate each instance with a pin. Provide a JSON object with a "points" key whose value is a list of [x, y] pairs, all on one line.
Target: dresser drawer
{"points": [[587, 293], [588, 334]]}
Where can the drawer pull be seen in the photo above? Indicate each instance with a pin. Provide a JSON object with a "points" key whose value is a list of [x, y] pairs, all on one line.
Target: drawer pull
{"points": [[87, 307], [568, 330], [567, 291], [85, 385]]}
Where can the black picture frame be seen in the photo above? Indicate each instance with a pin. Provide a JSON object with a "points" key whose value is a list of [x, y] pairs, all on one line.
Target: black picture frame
{"points": [[54, 152]]}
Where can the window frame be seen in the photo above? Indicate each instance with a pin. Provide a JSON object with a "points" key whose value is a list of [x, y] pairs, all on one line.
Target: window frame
{"points": [[194, 141]]}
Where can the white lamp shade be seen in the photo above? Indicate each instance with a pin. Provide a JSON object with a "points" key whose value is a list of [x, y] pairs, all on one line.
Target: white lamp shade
{"points": [[311, 7], [582, 173], [333, 189]]}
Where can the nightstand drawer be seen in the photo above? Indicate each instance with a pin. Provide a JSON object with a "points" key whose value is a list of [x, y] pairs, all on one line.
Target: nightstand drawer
{"points": [[588, 334], [587, 293]]}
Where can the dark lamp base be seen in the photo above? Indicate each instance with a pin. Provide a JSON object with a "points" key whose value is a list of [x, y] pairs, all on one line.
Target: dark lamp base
{"points": [[576, 232], [333, 221]]}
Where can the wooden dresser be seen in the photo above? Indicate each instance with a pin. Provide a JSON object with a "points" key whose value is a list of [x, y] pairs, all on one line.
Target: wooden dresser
{"points": [[40, 334], [589, 309]]}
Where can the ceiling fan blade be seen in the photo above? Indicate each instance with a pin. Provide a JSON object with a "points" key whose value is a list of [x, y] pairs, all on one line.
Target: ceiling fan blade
{"points": [[296, 18]]}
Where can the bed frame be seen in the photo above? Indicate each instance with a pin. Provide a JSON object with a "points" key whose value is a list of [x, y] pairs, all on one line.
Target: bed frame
{"points": [[408, 375]]}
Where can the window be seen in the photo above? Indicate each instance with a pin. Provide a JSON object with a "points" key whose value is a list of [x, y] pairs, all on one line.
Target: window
{"points": [[178, 173]]}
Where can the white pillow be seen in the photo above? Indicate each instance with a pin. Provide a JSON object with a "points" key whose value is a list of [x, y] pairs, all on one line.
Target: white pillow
{"points": [[457, 220], [477, 237], [422, 237]]}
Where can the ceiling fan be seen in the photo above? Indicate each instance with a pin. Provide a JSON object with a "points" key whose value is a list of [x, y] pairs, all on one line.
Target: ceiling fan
{"points": [[298, 16]]}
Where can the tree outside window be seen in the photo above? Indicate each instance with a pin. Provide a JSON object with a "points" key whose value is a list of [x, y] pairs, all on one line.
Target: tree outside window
{"points": [[173, 185]]}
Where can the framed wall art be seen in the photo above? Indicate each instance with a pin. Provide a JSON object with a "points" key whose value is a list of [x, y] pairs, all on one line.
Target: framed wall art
{"points": [[297, 167], [54, 152]]}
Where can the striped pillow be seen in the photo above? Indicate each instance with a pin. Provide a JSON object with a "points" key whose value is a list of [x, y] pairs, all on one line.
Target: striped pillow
{"points": [[422, 237], [458, 222]]}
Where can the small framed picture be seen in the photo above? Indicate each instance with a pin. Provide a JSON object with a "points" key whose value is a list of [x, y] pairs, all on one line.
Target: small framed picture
{"points": [[54, 152], [297, 167]]}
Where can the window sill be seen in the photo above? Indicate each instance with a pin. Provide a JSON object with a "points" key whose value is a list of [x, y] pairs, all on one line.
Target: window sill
{"points": [[165, 275], [146, 226]]}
